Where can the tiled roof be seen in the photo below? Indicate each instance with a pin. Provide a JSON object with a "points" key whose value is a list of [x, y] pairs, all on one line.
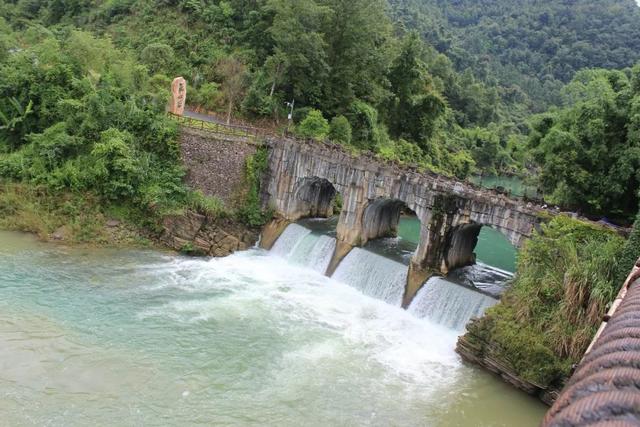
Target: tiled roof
{"points": [[605, 387]]}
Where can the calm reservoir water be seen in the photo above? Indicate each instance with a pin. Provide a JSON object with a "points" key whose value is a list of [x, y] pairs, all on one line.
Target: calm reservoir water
{"points": [[130, 338], [516, 186]]}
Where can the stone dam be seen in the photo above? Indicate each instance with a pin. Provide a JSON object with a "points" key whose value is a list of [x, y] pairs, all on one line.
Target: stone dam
{"points": [[307, 179]]}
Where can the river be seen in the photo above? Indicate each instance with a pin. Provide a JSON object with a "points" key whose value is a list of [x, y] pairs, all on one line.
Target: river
{"points": [[140, 337]]}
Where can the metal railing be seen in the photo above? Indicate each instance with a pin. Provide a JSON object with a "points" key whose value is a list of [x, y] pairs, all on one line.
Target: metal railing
{"points": [[229, 130]]}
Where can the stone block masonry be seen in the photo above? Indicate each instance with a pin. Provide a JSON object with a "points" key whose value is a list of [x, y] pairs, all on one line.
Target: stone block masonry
{"points": [[215, 165]]}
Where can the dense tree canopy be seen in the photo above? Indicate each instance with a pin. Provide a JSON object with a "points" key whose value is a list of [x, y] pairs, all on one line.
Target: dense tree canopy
{"points": [[341, 57], [589, 151], [454, 95], [529, 46], [84, 116]]}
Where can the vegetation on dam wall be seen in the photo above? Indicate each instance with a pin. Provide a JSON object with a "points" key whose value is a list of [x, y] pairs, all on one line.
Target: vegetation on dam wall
{"points": [[546, 320]]}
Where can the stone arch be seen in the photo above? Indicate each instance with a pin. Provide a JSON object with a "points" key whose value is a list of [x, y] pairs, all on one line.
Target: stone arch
{"points": [[313, 197], [381, 217]]}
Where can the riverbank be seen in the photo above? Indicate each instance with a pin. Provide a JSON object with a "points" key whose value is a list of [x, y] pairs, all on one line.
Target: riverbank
{"points": [[566, 278], [85, 220], [68, 217]]}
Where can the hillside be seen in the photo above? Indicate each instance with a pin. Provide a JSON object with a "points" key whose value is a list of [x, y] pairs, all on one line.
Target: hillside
{"points": [[455, 96], [533, 46]]}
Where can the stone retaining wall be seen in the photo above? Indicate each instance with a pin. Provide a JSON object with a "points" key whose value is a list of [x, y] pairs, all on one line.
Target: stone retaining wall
{"points": [[215, 165]]}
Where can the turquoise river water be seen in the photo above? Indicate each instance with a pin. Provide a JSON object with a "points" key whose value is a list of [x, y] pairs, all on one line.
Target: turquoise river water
{"points": [[144, 338]]}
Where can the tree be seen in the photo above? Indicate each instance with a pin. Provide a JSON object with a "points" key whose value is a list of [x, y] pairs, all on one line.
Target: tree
{"points": [[234, 74], [364, 120], [159, 57], [415, 107], [589, 152], [358, 49], [299, 48]]}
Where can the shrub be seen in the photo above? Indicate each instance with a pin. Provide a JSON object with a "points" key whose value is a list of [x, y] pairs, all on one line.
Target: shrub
{"points": [[630, 253], [364, 121], [115, 167], [251, 212], [159, 57], [207, 96], [340, 130], [564, 283], [314, 126], [210, 206]]}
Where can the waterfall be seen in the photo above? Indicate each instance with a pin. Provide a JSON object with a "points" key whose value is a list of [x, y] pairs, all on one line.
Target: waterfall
{"points": [[449, 304], [440, 300], [374, 275], [289, 238], [301, 246]]}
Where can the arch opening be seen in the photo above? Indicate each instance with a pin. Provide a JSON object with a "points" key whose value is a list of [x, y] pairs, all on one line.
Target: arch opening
{"points": [[469, 243], [315, 198], [391, 229], [381, 218], [460, 249]]}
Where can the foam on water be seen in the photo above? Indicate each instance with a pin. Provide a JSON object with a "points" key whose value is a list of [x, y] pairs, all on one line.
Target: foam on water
{"points": [[249, 340], [488, 279]]}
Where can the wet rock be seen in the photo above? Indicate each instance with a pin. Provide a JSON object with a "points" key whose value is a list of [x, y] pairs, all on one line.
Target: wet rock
{"points": [[229, 243], [200, 235], [183, 226], [202, 245], [60, 234]]}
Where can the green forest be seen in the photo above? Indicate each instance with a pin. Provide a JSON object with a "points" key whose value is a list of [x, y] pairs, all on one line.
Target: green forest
{"points": [[365, 74], [529, 49]]}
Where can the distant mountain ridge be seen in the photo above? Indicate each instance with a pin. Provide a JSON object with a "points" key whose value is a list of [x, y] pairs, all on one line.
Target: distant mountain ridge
{"points": [[531, 45]]}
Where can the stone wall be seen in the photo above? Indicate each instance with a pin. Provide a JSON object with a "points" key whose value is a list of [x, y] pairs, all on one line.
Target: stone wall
{"points": [[214, 165]]}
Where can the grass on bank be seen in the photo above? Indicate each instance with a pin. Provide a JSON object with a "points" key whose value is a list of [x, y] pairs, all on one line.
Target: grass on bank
{"points": [[81, 217], [564, 284], [74, 217]]}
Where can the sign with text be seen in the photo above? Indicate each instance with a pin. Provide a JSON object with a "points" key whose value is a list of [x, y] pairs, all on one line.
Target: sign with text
{"points": [[178, 96]]}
